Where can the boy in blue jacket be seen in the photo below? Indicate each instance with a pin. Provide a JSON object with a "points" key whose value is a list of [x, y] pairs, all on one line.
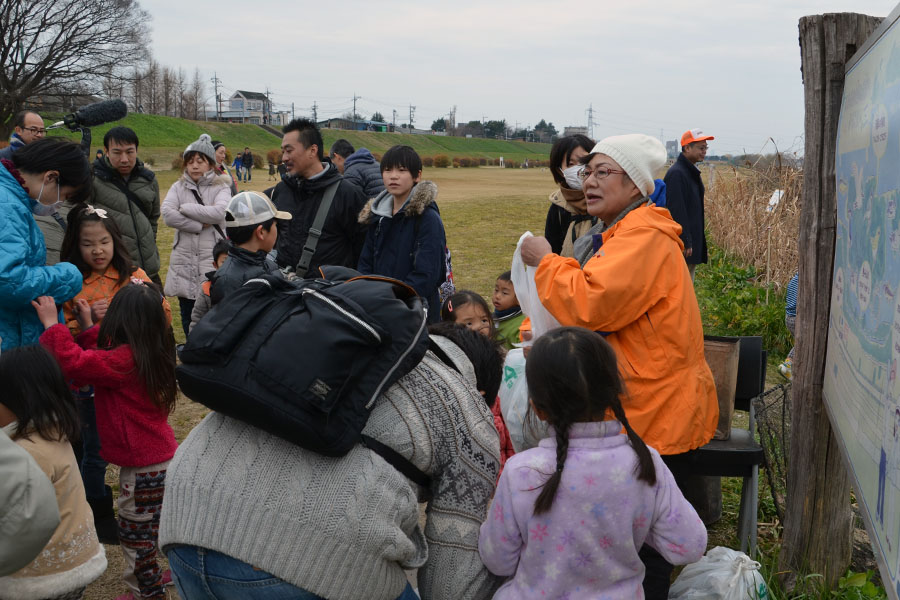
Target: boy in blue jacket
{"points": [[405, 239]]}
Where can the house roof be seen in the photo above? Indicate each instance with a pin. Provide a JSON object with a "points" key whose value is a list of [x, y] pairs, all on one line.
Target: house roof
{"points": [[251, 95]]}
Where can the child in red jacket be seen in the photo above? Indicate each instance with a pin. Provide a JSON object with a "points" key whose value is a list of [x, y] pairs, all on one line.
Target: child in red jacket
{"points": [[128, 360]]}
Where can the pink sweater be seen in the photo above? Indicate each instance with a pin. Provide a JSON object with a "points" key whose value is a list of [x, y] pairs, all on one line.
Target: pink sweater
{"points": [[586, 545], [134, 432]]}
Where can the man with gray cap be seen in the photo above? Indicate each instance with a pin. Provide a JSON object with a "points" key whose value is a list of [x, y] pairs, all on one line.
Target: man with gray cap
{"points": [[685, 191]]}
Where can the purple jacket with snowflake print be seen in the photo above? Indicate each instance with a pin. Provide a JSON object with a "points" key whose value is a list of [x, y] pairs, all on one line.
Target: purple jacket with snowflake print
{"points": [[587, 545]]}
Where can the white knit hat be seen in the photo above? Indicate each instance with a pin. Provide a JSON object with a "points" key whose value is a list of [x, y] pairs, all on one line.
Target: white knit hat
{"points": [[203, 146], [641, 156]]}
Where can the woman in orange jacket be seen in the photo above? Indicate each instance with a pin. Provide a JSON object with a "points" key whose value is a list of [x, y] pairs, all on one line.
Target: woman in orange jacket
{"points": [[637, 291]]}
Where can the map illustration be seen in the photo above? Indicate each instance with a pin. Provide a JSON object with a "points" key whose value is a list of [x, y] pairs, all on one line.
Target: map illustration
{"points": [[861, 387]]}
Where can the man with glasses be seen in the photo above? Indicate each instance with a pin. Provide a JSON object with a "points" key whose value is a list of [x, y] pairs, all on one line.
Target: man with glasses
{"points": [[684, 196], [28, 127]]}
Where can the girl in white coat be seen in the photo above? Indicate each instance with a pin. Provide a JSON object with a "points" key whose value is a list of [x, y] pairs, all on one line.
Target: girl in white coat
{"points": [[195, 207]]}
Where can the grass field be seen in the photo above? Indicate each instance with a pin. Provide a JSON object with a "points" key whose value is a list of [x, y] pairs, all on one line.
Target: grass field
{"points": [[164, 138], [485, 210]]}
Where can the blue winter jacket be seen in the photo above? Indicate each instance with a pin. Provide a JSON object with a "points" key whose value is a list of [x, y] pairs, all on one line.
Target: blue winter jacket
{"points": [[409, 245], [23, 274], [363, 170]]}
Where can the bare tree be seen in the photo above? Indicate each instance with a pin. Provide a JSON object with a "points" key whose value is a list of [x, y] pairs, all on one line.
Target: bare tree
{"points": [[167, 90], [196, 95], [48, 45]]}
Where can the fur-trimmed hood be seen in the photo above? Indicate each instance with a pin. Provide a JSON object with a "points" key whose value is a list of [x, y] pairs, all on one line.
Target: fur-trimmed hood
{"points": [[421, 197]]}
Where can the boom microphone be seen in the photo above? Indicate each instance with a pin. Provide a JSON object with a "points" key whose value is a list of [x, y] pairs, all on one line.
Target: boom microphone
{"points": [[94, 114]]}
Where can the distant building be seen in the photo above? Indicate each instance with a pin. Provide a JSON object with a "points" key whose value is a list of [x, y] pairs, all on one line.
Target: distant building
{"points": [[574, 130], [672, 149], [246, 107], [361, 125]]}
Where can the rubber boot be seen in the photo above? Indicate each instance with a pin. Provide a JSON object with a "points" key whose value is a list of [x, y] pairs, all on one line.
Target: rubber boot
{"points": [[105, 518]]}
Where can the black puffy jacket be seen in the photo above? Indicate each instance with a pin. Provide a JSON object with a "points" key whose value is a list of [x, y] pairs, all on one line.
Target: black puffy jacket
{"points": [[362, 170], [342, 235]]}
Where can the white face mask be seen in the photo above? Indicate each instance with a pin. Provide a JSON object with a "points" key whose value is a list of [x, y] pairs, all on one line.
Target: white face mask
{"points": [[45, 210], [572, 178]]}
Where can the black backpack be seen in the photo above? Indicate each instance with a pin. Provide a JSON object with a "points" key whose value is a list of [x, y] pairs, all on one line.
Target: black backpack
{"points": [[306, 359]]}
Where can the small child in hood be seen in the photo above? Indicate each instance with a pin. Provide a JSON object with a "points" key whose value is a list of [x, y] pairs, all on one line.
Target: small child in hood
{"points": [[203, 303], [508, 316]]}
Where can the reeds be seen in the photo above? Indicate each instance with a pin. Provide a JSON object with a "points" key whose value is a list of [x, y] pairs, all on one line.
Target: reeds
{"points": [[737, 219]]}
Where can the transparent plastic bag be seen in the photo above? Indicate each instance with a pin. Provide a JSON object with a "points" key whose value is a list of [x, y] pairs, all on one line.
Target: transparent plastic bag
{"points": [[723, 574], [514, 404], [526, 292]]}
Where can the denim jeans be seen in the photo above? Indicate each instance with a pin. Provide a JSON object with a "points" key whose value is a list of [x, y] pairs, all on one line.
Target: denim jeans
{"points": [[93, 468], [199, 573]]}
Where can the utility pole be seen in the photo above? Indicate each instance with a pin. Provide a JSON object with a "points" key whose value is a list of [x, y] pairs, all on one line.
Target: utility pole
{"points": [[590, 112], [483, 131], [355, 98], [412, 114], [394, 121], [216, 81], [267, 113], [315, 112], [292, 111]]}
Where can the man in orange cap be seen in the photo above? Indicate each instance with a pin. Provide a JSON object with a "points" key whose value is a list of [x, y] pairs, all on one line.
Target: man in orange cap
{"points": [[684, 196]]}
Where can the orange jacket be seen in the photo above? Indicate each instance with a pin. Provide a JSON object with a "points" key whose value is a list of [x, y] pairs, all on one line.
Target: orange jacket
{"points": [[637, 288], [100, 287]]}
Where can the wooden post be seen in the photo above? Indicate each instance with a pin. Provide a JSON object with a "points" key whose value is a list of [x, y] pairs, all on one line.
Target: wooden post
{"points": [[817, 522]]}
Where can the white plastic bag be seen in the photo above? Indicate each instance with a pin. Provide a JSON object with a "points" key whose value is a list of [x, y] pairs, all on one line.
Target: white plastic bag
{"points": [[514, 403], [723, 574], [526, 292]]}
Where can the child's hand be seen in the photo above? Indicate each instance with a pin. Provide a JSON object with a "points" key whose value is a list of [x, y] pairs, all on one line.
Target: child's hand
{"points": [[98, 309], [46, 310], [83, 312]]}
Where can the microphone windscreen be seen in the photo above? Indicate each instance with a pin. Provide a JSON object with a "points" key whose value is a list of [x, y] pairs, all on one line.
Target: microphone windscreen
{"points": [[99, 113]]}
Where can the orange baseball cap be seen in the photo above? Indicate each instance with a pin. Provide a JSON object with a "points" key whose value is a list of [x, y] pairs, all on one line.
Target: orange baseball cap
{"points": [[694, 135]]}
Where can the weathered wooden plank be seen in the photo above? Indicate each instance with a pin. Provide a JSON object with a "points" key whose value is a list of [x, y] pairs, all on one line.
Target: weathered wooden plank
{"points": [[818, 524]]}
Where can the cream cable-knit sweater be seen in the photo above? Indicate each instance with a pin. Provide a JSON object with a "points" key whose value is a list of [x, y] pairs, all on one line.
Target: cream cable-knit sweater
{"points": [[345, 528]]}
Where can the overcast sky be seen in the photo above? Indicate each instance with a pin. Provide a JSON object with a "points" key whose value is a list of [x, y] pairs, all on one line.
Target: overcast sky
{"points": [[731, 68]]}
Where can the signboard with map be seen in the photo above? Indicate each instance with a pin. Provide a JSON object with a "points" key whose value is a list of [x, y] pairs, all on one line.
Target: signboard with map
{"points": [[862, 387]]}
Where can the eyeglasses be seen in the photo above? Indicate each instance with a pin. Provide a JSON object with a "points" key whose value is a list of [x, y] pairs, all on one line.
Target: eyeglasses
{"points": [[599, 173], [36, 130]]}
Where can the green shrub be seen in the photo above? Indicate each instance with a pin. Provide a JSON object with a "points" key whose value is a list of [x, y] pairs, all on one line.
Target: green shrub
{"points": [[442, 161], [149, 161], [273, 156], [482, 161], [733, 303], [178, 163], [427, 161], [463, 161]]}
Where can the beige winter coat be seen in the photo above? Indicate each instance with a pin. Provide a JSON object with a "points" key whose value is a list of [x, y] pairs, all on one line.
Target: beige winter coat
{"points": [[195, 233], [73, 557]]}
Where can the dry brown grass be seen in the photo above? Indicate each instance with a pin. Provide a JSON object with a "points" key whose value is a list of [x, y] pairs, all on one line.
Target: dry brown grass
{"points": [[738, 222]]}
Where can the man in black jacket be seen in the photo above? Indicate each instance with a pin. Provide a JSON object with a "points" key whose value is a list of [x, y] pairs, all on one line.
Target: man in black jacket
{"points": [[247, 163], [301, 193], [684, 196]]}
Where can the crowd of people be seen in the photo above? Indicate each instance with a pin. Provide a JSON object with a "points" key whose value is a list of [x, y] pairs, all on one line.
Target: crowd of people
{"points": [[88, 362]]}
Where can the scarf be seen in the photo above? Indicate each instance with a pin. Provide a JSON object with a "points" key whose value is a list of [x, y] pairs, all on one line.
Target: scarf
{"points": [[14, 172]]}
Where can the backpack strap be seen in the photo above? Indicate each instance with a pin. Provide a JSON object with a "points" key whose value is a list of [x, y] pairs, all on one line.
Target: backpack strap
{"points": [[123, 187], [315, 232], [398, 461], [215, 225]]}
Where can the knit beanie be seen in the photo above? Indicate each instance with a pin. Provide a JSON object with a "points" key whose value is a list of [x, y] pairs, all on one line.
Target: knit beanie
{"points": [[641, 156], [203, 146]]}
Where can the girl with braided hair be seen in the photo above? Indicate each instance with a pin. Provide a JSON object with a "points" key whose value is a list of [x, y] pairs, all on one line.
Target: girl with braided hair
{"points": [[569, 516]]}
